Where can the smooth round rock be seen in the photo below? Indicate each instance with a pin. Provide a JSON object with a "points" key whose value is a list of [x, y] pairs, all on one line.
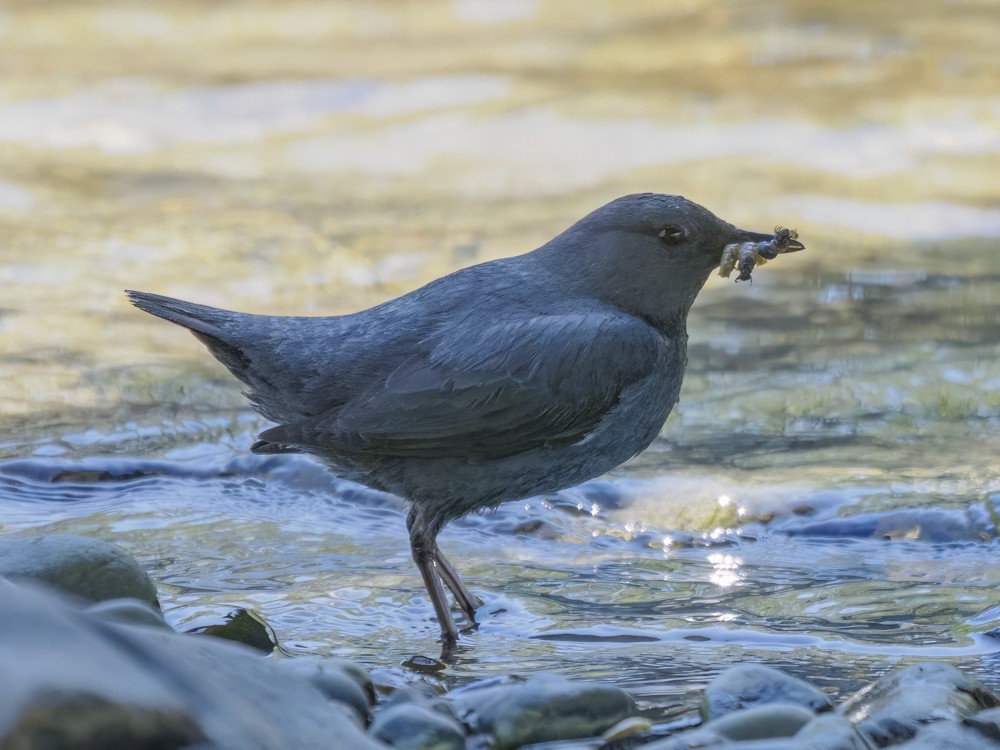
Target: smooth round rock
{"points": [[92, 569], [747, 685], [949, 735], [694, 739], [987, 723], [831, 732], [414, 726], [762, 722], [129, 612], [356, 672], [85, 722], [590, 743], [893, 708], [337, 679], [543, 708]]}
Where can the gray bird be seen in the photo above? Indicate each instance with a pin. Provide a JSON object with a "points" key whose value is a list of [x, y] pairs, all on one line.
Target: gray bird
{"points": [[507, 379]]}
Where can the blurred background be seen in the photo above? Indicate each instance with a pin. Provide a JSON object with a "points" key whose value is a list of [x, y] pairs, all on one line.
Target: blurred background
{"points": [[832, 471]]}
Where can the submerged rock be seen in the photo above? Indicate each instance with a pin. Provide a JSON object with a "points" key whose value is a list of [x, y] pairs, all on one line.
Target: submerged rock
{"points": [[74, 680], [893, 708], [92, 569], [747, 685], [542, 708], [243, 626]]}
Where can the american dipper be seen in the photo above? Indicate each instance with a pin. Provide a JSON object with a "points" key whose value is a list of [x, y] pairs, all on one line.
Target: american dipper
{"points": [[511, 378]]}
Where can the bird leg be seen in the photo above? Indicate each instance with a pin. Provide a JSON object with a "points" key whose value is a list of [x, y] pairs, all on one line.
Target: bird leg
{"points": [[424, 549], [425, 564], [465, 599]]}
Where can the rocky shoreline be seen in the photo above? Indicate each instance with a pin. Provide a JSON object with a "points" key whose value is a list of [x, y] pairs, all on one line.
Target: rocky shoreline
{"points": [[89, 662]]}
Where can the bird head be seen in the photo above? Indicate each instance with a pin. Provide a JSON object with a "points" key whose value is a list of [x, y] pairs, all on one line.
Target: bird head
{"points": [[648, 254]]}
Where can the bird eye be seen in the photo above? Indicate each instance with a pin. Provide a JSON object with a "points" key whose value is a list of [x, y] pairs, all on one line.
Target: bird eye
{"points": [[672, 234]]}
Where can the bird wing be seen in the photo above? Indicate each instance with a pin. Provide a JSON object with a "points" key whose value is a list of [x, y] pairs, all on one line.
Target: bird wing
{"points": [[503, 389]]}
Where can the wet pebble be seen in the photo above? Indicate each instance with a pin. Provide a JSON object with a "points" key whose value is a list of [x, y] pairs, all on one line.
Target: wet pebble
{"points": [[949, 735], [747, 685], [922, 707], [831, 732], [691, 740], [542, 708], [338, 679], [416, 726], [893, 708], [762, 722], [773, 722], [588, 743], [987, 723]]}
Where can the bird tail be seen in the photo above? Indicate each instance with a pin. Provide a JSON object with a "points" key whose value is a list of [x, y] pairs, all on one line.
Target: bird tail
{"points": [[275, 357], [212, 326]]}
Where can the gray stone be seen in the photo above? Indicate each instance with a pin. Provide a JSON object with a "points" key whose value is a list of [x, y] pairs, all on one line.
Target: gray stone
{"points": [[987, 723], [128, 612], [85, 722], [762, 722], [94, 684], [589, 743], [86, 567], [543, 708], [747, 685], [356, 672], [772, 743], [337, 679], [894, 707], [831, 732], [691, 740], [414, 726], [415, 693], [949, 735]]}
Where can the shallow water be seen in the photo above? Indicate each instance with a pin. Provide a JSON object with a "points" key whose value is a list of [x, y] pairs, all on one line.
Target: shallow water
{"points": [[824, 499]]}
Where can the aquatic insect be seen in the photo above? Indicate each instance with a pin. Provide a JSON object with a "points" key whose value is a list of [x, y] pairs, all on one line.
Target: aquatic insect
{"points": [[747, 255]]}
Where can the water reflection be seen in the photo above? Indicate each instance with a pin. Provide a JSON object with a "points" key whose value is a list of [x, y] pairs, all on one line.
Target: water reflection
{"points": [[726, 568]]}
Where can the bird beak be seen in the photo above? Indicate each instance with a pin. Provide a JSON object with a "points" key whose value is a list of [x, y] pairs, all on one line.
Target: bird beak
{"points": [[791, 246]]}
